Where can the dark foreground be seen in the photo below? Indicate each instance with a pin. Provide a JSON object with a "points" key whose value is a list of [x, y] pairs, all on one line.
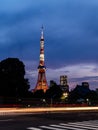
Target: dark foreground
{"points": [[33, 121]]}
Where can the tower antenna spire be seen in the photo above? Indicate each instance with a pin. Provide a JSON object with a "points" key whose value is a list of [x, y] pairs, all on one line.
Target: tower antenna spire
{"points": [[42, 32], [42, 26]]}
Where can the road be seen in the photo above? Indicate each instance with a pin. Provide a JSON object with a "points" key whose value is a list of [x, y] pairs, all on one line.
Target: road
{"points": [[50, 121]]}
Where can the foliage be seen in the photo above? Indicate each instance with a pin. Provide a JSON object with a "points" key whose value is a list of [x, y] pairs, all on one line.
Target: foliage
{"points": [[54, 91], [39, 94], [12, 81], [79, 92]]}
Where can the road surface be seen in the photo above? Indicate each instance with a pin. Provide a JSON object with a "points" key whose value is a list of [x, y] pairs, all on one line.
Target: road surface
{"points": [[50, 121]]}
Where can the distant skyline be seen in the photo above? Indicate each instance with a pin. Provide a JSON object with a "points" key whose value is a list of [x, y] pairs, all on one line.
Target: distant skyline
{"points": [[70, 32]]}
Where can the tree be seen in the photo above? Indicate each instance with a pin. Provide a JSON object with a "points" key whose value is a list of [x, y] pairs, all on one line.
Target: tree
{"points": [[54, 91], [39, 94], [79, 92], [92, 97], [12, 81]]}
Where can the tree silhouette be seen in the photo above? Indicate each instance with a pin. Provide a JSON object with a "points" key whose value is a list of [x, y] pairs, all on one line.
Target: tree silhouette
{"points": [[39, 94], [79, 92], [54, 91], [12, 81]]}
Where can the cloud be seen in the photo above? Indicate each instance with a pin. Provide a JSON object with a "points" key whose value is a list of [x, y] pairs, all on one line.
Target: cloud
{"points": [[14, 6], [4, 38], [92, 80], [76, 74], [71, 35]]}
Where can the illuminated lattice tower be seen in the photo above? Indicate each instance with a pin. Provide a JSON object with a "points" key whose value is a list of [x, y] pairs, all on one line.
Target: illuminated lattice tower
{"points": [[41, 81]]}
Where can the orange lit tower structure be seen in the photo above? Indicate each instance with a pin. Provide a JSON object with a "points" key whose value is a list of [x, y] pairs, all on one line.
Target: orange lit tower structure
{"points": [[41, 81]]}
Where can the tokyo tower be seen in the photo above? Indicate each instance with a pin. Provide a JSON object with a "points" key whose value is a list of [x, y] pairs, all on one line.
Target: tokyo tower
{"points": [[41, 81]]}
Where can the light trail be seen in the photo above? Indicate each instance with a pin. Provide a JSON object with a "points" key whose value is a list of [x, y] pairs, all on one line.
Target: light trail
{"points": [[49, 109], [6, 120]]}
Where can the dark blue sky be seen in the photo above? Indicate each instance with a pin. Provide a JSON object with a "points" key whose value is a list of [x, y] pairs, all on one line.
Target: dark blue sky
{"points": [[70, 32]]}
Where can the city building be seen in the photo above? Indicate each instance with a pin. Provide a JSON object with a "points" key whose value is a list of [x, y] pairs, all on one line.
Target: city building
{"points": [[52, 83], [63, 83]]}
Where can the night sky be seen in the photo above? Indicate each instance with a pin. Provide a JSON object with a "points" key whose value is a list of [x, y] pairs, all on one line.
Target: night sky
{"points": [[70, 33]]}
